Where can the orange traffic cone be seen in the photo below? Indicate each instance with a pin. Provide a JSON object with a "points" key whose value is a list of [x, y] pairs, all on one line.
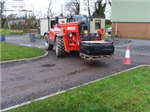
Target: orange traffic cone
{"points": [[127, 56]]}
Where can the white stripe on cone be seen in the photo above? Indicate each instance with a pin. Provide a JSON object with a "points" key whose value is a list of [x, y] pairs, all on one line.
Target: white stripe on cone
{"points": [[127, 54]]}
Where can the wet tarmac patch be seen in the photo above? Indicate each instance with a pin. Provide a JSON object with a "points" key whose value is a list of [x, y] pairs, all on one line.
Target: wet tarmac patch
{"points": [[48, 65], [76, 72]]}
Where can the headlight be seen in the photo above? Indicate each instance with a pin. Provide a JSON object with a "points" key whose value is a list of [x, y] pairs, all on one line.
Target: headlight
{"points": [[70, 35], [97, 35]]}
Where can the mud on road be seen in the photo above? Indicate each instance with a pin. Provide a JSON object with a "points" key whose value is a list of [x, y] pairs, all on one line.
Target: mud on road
{"points": [[28, 80]]}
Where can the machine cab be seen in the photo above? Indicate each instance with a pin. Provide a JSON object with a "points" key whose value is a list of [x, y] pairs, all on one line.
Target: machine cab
{"points": [[74, 18], [83, 26]]}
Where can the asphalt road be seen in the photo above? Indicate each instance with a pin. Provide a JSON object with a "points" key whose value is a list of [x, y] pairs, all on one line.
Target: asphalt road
{"points": [[28, 80]]}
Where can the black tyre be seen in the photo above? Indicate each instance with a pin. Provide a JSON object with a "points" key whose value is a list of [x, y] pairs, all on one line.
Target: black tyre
{"points": [[60, 48], [47, 44]]}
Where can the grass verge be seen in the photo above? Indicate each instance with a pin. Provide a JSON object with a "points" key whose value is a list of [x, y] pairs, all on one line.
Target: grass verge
{"points": [[125, 92], [10, 32], [40, 38], [13, 52]]}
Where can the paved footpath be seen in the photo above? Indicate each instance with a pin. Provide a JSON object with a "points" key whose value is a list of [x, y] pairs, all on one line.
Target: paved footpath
{"points": [[28, 80]]}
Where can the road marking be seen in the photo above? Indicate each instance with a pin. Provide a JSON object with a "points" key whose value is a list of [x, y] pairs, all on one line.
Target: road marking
{"points": [[38, 46], [25, 45], [42, 98], [30, 45]]}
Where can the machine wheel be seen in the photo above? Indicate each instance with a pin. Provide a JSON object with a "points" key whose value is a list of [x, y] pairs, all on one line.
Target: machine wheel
{"points": [[109, 33], [60, 48], [47, 44]]}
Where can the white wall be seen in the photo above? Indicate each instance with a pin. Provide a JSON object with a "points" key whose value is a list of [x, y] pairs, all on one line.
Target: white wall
{"points": [[93, 24], [44, 24], [130, 11]]}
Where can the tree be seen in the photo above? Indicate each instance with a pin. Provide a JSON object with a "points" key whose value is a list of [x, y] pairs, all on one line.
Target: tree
{"points": [[99, 9], [109, 2], [73, 7], [49, 11], [88, 4], [12, 16], [3, 17]]}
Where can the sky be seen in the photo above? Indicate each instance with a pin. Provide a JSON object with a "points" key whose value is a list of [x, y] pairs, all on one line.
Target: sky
{"points": [[40, 7], [56, 6]]}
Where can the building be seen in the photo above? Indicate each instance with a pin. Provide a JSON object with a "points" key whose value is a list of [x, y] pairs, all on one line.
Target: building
{"points": [[131, 18], [19, 7]]}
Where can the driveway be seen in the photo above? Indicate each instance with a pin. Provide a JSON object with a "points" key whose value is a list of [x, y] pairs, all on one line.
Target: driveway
{"points": [[28, 80]]}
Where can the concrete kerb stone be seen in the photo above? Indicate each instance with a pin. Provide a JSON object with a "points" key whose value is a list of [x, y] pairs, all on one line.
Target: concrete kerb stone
{"points": [[28, 59], [59, 92]]}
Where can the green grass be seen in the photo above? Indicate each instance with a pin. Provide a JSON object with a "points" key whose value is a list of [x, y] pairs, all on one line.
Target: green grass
{"points": [[125, 92], [107, 26], [13, 52], [10, 32], [40, 38]]}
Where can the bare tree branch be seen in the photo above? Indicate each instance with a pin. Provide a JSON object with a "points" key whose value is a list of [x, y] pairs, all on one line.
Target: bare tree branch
{"points": [[73, 7], [49, 10], [109, 2]]}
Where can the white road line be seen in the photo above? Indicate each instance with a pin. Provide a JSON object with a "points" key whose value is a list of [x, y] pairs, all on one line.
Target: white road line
{"points": [[25, 45], [38, 46], [30, 45], [42, 98], [21, 44]]}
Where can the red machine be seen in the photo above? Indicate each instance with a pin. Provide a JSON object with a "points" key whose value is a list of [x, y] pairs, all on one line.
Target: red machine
{"points": [[70, 36]]}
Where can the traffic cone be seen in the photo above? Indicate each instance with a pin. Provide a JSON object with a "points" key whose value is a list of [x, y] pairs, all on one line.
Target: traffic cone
{"points": [[127, 56]]}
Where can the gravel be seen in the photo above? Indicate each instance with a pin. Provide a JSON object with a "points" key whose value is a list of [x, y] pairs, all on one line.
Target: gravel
{"points": [[118, 41]]}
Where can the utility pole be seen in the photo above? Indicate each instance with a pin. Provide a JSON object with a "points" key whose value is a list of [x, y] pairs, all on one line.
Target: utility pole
{"points": [[48, 16]]}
